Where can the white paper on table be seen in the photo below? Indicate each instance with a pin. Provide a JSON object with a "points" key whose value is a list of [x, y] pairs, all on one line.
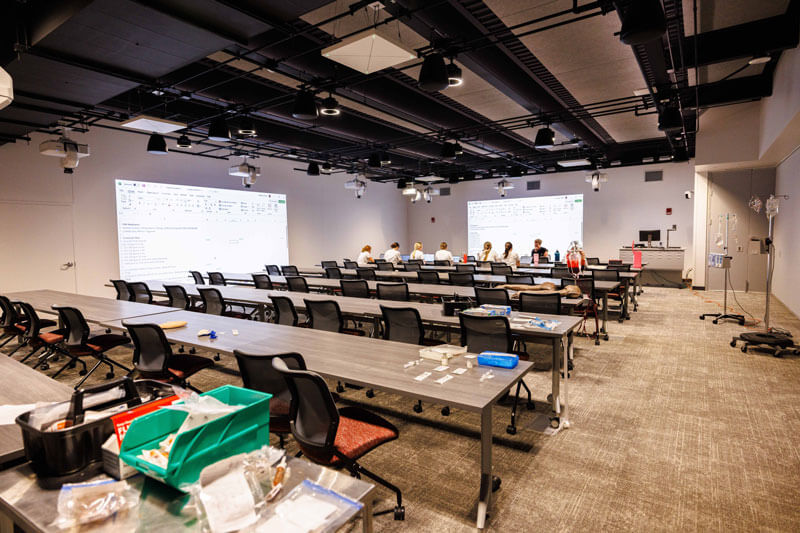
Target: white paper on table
{"points": [[228, 502], [459, 371], [9, 413], [306, 512], [422, 376], [441, 368]]}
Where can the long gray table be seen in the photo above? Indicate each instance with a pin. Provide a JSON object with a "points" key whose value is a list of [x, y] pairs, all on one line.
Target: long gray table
{"points": [[94, 308]]}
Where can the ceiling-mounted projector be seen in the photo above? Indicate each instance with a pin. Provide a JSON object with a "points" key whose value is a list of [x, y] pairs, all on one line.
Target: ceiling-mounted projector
{"points": [[68, 150], [244, 170], [6, 89]]}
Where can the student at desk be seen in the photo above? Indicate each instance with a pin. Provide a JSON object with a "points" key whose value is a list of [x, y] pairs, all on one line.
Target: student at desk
{"points": [[392, 255], [487, 254], [364, 258], [540, 250], [510, 257], [443, 254], [417, 253]]}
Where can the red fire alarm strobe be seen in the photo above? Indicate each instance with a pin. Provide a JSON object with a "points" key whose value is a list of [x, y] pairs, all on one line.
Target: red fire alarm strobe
{"points": [[669, 210], [433, 220]]}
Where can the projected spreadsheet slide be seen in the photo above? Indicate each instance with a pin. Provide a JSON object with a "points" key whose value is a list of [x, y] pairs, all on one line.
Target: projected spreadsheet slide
{"points": [[166, 230], [557, 220]]}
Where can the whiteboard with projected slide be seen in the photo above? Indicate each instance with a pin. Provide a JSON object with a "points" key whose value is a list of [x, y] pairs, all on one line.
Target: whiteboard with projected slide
{"points": [[164, 230], [557, 220]]}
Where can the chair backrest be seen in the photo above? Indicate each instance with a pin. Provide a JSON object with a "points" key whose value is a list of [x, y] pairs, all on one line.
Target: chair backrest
{"points": [[262, 281], [122, 289], [620, 268], [520, 279], [501, 269], [258, 374], [530, 302], [290, 270], [355, 288], [328, 264], [385, 266], [413, 267], [151, 349], [592, 260], [198, 277], [285, 313], [615, 261], [471, 258], [77, 330], [485, 296], [485, 333], [466, 279], [296, 284], [465, 268], [415, 262], [177, 296], [441, 262], [10, 315], [350, 265], [378, 260], [273, 270], [561, 272], [605, 275], [392, 291], [34, 323], [216, 278], [366, 273], [586, 285], [324, 315], [313, 417], [213, 302], [402, 324], [484, 264], [333, 273], [140, 292], [428, 276]]}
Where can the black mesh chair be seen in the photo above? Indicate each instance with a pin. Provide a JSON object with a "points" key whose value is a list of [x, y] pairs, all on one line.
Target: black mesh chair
{"points": [[465, 268], [366, 273], [486, 296], [329, 264], [178, 297], [350, 265], [520, 279], [619, 268], [392, 291], [297, 284], [493, 333], [215, 304], [121, 286], [262, 281], [560, 272], [548, 303], [153, 357], [355, 288], [471, 258], [326, 315], [273, 270], [331, 437], [592, 260], [615, 261], [140, 292], [465, 279], [441, 262], [290, 270], [12, 325], [501, 269], [333, 273], [80, 344], [216, 278], [484, 264], [197, 277], [413, 267], [428, 276], [385, 267], [415, 262], [36, 339], [284, 312]]}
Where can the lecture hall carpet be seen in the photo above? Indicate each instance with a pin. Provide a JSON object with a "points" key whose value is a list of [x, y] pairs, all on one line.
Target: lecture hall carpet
{"points": [[672, 430]]}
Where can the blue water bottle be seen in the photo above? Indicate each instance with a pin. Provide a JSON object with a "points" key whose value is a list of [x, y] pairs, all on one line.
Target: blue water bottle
{"points": [[558, 256]]}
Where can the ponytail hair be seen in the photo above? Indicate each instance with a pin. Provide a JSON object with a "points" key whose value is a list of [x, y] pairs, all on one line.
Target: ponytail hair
{"points": [[508, 249]]}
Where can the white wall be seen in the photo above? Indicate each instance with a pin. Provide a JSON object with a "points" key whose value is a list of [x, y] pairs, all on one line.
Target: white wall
{"points": [[782, 109], [325, 220], [787, 236], [728, 137], [612, 217]]}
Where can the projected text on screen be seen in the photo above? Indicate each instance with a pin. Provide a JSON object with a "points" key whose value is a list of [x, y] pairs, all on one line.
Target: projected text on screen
{"points": [[166, 230], [557, 220]]}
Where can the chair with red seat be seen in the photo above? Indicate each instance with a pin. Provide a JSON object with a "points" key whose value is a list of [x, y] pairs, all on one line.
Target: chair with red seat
{"points": [[153, 357], [333, 437], [12, 325], [80, 344], [38, 339]]}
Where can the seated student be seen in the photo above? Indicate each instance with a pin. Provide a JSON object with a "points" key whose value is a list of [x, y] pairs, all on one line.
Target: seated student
{"points": [[392, 255], [510, 257], [443, 254], [487, 254], [364, 258], [417, 253], [540, 250]]}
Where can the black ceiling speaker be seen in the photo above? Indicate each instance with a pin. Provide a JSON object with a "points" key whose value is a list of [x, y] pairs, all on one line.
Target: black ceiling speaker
{"points": [[448, 151], [184, 141], [454, 75], [247, 128], [545, 138], [330, 106], [643, 21], [433, 74], [313, 168], [374, 160], [305, 108], [218, 130], [670, 119], [156, 144]]}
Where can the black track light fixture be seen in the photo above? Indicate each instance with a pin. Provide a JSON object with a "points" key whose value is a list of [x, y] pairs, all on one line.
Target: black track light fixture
{"points": [[385, 159], [313, 168], [433, 74], [218, 130], [545, 138], [330, 106], [305, 107], [454, 75], [184, 141], [670, 119], [326, 168], [643, 21], [374, 160], [247, 128], [156, 144], [458, 148]]}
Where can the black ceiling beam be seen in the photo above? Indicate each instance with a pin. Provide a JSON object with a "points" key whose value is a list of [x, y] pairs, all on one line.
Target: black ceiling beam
{"points": [[185, 16], [727, 92]]}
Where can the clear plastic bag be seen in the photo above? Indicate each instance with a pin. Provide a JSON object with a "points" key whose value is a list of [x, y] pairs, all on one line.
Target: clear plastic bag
{"points": [[85, 503], [308, 507]]}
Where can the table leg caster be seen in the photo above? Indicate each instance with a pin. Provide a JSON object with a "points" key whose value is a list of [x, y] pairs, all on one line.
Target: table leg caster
{"points": [[370, 393], [446, 410], [605, 336], [702, 317], [555, 422], [109, 375], [496, 482], [216, 357], [418, 407], [400, 513], [82, 372], [511, 430], [733, 343], [192, 351], [339, 387]]}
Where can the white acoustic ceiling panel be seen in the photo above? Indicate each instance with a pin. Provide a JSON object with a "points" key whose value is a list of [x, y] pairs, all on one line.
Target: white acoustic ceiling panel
{"points": [[369, 52], [153, 124]]}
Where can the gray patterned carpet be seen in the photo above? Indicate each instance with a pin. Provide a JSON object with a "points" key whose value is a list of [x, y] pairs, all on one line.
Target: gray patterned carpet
{"points": [[672, 430]]}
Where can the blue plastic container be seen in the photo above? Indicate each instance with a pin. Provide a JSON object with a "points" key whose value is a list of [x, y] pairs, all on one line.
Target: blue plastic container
{"points": [[498, 359]]}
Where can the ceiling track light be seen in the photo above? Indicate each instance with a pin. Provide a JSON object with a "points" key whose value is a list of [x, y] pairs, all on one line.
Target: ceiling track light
{"points": [[313, 168], [545, 138], [670, 119], [643, 21], [454, 75], [326, 168], [433, 74], [330, 106], [218, 130], [156, 144], [247, 128], [184, 141], [305, 107]]}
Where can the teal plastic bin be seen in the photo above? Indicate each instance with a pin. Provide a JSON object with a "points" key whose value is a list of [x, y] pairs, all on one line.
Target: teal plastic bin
{"points": [[242, 431]]}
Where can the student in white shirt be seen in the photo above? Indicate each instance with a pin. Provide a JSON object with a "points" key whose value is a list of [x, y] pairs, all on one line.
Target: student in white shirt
{"points": [[364, 258], [392, 255], [443, 254], [487, 254], [417, 253], [510, 257]]}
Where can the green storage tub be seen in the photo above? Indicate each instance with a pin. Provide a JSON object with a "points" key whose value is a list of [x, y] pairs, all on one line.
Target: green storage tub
{"points": [[242, 431]]}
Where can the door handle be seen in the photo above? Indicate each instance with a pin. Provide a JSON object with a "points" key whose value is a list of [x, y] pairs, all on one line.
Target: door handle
{"points": [[67, 265]]}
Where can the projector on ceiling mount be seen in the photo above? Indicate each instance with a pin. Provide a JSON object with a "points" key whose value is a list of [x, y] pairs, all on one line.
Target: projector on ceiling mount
{"points": [[68, 150]]}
